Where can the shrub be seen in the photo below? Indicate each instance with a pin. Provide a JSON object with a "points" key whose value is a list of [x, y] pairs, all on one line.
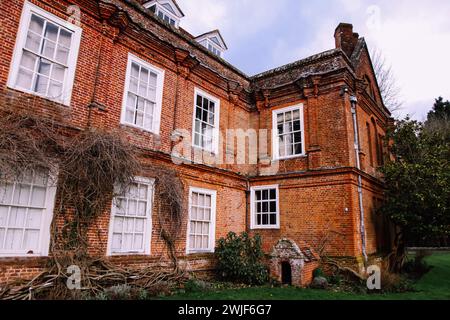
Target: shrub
{"points": [[318, 272], [240, 259]]}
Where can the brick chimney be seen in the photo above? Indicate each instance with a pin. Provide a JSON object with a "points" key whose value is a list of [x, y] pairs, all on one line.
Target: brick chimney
{"points": [[345, 38]]}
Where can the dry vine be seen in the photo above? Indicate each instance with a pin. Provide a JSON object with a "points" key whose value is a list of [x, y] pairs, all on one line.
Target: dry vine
{"points": [[89, 165]]}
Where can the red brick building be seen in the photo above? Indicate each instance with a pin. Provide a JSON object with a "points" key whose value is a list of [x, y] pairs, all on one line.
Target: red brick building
{"points": [[126, 64]]}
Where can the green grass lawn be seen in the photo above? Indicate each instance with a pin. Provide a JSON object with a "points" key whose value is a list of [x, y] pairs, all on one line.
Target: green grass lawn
{"points": [[435, 285]]}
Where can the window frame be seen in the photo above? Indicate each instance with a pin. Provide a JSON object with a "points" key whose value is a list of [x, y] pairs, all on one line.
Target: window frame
{"points": [[148, 225], [156, 126], [47, 218], [212, 228], [253, 224], [275, 143], [21, 37], [215, 148]]}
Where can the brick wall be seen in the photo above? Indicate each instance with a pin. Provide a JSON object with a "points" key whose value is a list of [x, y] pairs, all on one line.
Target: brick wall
{"points": [[318, 192]]}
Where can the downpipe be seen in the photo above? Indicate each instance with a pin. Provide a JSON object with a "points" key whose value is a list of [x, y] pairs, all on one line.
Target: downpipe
{"points": [[354, 103]]}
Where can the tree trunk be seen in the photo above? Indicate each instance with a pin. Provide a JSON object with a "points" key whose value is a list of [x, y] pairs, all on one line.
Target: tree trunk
{"points": [[398, 254]]}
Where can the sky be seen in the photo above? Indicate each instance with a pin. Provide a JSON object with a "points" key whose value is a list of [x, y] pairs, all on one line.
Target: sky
{"points": [[412, 35]]}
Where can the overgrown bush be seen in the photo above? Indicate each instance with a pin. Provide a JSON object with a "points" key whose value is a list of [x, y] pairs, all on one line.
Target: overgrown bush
{"points": [[241, 259]]}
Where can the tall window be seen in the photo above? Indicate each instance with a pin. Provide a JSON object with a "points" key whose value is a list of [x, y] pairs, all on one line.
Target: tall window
{"points": [[45, 57], [265, 212], [288, 132], [26, 210], [143, 95], [201, 226], [130, 225], [369, 144], [206, 122]]}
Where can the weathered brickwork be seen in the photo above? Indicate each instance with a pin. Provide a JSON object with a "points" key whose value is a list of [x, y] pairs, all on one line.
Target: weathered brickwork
{"points": [[318, 192]]}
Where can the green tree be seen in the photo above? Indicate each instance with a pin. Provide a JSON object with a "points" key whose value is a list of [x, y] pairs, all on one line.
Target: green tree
{"points": [[418, 183]]}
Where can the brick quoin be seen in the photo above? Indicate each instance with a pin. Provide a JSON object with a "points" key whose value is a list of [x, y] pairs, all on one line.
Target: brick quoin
{"points": [[318, 192]]}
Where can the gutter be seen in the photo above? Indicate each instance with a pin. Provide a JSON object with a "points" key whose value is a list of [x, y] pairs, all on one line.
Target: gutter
{"points": [[362, 227]]}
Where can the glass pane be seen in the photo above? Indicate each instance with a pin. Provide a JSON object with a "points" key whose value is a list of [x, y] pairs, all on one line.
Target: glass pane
{"points": [[144, 75], [21, 194], [152, 94], [298, 148], [288, 127], [208, 201], [36, 24], [131, 100], [6, 193], [205, 243], [153, 78], [273, 206], [24, 79], [44, 67], [265, 194], [127, 242], [191, 242], [143, 191], [273, 193], [198, 227], [49, 49], [58, 72], [296, 114], [129, 116], [65, 38], [33, 42], [298, 137], [265, 219], [273, 219], [280, 118], [34, 219], [198, 242], [139, 119], [205, 228], [258, 219], [142, 211], [55, 89], [28, 60], [14, 239], [288, 116], [31, 240], [134, 70], [2, 237], [138, 242], [3, 216], [118, 224], [116, 242], [265, 207], [258, 207], [139, 225], [194, 198], [207, 216], [51, 31], [38, 197], [133, 85], [128, 225], [201, 200], [142, 89], [41, 84], [200, 214], [132, 207], [297, 126], [62, 55], [194, 213]]}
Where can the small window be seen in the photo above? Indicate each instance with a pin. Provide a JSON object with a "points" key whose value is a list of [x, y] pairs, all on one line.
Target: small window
{"points": [[265, 212], [288, 132], [130, 225], [45, 57], [26, 210], [206, 122], [143, 95], [201, 225]]}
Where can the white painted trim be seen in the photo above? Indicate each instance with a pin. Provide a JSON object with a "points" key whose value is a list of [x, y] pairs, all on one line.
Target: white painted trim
{"points": [[160, 7], [148, 227], [253, 225], [212, 229], [159, 93], [46, 221], [275, 144], [216, 136], [28, 9]]}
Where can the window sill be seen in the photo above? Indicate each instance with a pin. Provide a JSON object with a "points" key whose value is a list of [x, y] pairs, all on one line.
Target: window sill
{"points": [[200, 252], [265, 228], [129, 125], [290, 157], [65, 104]]}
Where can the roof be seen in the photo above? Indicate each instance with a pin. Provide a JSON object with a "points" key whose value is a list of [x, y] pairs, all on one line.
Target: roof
{"points": [[215, 32]]}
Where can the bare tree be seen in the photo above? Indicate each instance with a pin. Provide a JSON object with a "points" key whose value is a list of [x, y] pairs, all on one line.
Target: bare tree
{"points": [[390, 91]]}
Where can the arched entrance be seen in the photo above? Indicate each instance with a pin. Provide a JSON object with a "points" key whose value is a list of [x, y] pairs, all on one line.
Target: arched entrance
{"points": [[286, 273]]}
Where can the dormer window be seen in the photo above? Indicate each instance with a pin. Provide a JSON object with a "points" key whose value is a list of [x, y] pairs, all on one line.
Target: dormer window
{"points": [[167, 10], [213, 41]]}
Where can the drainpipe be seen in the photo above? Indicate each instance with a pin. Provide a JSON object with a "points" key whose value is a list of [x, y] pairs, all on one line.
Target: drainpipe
{"points": [[354, 102]]}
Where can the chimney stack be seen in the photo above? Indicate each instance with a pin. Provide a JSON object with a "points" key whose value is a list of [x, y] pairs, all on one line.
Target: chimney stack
{"points": [[345, 38]]}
